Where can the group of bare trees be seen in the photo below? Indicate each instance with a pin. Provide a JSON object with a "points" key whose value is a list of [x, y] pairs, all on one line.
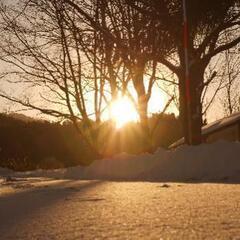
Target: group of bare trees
{"points": [[86, 52]]}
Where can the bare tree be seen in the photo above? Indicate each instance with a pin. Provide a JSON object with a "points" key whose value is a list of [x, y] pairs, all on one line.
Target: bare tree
{"points": [[209, 22], [129, 36], [40, 42], [230, 98]]}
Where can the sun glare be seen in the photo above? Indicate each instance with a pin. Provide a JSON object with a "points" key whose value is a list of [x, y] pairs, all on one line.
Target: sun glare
{"points": [[123, 111]]}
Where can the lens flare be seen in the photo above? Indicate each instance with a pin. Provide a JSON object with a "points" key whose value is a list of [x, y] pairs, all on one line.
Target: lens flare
{"points": [[123, 111]]}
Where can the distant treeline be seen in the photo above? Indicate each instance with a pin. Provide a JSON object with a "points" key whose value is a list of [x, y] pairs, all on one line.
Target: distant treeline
{"points": [[28, 145]]}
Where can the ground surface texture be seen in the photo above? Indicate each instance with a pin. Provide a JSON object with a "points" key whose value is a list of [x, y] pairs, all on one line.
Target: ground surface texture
{"points": [[46, 209]]}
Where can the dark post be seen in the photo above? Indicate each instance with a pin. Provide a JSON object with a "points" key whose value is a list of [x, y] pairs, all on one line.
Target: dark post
{"points": [[187, 78]]}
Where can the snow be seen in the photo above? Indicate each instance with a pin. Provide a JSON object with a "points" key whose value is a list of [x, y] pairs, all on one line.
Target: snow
{"points": [[36, 206], [63, 209], [208, 162], [214, 126], [221, 123]]}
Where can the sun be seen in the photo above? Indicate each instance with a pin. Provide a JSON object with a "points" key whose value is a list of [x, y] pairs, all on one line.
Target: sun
{"points": [[123, 111]]}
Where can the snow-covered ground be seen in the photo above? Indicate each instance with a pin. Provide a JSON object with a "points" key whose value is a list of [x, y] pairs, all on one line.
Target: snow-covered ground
{"points": [[33, 205], [87, 210], [208, 162]]}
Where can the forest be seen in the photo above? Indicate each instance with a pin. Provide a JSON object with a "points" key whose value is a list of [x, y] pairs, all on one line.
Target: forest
{"points": [[30, 144]]}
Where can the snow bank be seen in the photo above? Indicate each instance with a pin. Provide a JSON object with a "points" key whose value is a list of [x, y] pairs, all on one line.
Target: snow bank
{"points": [[218, 161], [123, 166]]}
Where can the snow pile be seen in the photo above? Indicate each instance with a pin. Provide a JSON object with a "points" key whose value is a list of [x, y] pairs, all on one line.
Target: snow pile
{"points": [[218, 162], [120, 167]]}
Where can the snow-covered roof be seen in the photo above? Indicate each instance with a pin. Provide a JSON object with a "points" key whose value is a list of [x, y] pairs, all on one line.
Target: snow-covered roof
{"points": [[214, 126]]}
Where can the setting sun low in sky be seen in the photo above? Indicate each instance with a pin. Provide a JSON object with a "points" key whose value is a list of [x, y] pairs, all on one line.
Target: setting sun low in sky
{"points": [[123, 111]]}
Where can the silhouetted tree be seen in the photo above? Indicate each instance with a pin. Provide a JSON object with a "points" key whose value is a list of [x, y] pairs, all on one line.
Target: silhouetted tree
{"points": [[46, 53], [208, 24]]}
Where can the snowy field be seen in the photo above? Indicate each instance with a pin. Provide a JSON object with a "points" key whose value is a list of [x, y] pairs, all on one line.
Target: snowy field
{"points": [[209, 162], [43, 209], [198, 198]]}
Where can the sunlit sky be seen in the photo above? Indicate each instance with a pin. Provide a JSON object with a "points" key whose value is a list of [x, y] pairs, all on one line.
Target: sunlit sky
{"points": [[121, 111]]}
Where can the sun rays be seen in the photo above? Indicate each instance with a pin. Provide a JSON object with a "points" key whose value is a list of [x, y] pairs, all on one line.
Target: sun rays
{"points": [[123, 111]]}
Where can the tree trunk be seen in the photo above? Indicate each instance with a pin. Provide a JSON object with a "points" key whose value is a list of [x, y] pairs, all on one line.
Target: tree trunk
{"points": [[183, 108], [196, 118], [138, 82], [191, 106]]}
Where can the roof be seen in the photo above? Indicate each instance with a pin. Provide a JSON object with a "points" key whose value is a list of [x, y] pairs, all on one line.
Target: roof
{"points": [[224, 122], [213, 127]]}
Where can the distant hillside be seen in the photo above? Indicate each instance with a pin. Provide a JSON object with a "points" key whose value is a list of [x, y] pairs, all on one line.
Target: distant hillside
{"points": [[22, 117], [27, 143]]}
